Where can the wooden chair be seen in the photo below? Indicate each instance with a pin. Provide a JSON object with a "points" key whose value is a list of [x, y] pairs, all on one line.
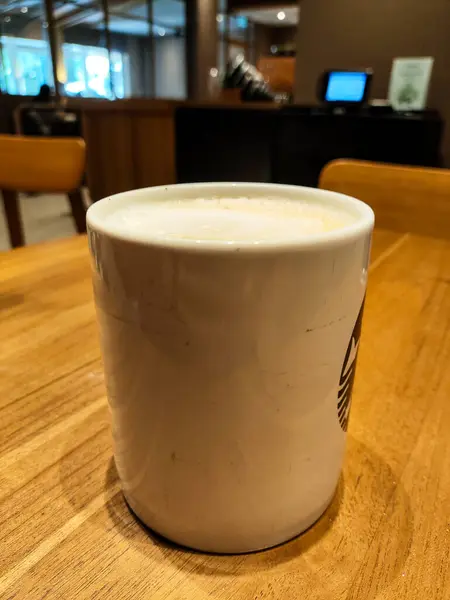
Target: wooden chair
{"points": [[406, 199], [30, 164]]}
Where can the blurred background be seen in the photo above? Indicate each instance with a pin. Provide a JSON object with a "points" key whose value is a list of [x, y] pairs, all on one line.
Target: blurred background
{"points": [[137, 48], [167, 91]]}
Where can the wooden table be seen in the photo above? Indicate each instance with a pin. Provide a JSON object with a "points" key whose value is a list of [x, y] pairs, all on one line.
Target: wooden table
{"points": [[65, 530]]}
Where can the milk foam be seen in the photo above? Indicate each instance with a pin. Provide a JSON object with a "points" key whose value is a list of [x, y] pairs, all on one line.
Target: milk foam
{"points": [[224, 219]]}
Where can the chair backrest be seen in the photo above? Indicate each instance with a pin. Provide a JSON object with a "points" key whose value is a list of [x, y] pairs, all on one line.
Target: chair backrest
{"points": [[34, 164], [24, 107], [407, 199]]}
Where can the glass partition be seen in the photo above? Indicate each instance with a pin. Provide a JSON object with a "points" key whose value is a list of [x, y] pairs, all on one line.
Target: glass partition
{"points": [[25, 60], [102, 48], [222, 29], [131, 48], [84, 67], [169, 33]]}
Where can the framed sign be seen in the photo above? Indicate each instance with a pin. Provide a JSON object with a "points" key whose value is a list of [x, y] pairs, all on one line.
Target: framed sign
{"points": [[410, 79]]}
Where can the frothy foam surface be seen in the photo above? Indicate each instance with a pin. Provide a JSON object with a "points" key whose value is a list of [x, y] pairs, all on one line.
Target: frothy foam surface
{"points": [[224, 219]]}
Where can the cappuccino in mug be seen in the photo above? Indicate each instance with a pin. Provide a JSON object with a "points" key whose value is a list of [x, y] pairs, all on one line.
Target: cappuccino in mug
{"points": [[224, 219], [230, 317]]}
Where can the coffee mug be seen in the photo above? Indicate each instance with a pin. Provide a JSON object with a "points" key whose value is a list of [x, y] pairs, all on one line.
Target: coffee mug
{"points": [[229, 368]]}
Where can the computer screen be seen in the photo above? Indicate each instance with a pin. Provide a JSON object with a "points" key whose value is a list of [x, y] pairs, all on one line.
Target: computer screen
{"points": [[346, 86]]}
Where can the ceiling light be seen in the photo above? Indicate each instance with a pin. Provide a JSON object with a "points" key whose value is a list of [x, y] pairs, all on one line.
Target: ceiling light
{"points": [[24, 9], [219, 18], [281, 15]]}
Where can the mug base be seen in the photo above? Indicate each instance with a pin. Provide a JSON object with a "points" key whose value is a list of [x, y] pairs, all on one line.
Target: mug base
{"points": [[199, 544]]}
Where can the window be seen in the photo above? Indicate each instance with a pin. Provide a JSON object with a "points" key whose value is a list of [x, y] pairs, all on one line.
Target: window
{"points": [[83, 63], [140, 53], [222, 26], [25, 52], [129, 25], [169, 30], [27, 66], [233, 34], [88, 72]]}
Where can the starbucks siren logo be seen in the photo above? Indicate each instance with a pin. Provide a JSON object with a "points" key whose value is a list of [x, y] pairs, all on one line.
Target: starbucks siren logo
{"points": [[348, 373]]}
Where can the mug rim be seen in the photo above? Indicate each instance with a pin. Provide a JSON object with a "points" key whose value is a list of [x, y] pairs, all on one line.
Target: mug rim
{"points": [[362, 225]]}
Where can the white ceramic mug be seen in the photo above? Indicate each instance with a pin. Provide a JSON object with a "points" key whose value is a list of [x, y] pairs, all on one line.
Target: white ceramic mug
{"points": [[229, 373]]}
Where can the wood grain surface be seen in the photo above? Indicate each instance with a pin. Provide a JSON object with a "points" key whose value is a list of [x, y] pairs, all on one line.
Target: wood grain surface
{"points": [[65, 530], [129, 147]]}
